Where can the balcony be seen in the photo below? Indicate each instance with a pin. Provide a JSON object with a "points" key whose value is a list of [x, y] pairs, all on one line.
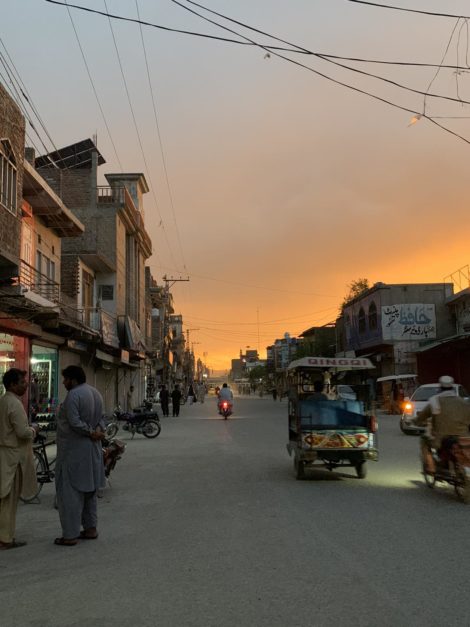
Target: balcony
{"points": [[34, 284], [100, 320]]}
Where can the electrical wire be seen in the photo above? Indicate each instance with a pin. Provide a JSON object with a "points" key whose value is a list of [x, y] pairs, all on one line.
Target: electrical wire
{"points": [[160, 141], [419, 11], [147, 169], [90, 78], [318, 55], [418, 114], [247, 43]]}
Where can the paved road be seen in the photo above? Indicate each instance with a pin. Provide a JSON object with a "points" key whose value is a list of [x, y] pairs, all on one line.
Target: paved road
{"points": [[206, 526]]}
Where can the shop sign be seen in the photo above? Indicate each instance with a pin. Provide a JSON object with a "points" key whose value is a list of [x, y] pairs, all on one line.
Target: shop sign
{"points": [[416, 321]]}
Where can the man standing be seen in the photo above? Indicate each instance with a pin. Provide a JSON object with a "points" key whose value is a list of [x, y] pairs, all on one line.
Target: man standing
{"points": [[164, 400], [79, 464], [176, 400], [17, 472]]}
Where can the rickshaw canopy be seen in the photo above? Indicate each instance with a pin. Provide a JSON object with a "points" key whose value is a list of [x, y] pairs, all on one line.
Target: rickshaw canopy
{"points": [[338, 363]]}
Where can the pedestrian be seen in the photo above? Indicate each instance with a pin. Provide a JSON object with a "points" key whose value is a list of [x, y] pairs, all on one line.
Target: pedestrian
{"points": [[17, 471], [164, 400], [191, 394], [274, 393], [176, 400], [201, 392], [79, 465], [130, 398]]}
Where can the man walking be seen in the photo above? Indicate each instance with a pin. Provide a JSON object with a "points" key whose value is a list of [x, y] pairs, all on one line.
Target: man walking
{"points": [[17, 472], [79, 464], [176, 400], [164, 400]]}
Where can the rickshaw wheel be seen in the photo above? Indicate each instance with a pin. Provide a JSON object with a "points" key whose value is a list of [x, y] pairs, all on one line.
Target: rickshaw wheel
{"points": [[361, 470], [462, 484], [299, 468]]}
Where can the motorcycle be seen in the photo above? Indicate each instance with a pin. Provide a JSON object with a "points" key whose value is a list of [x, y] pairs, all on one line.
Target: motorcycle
{"points": [[225, 409], [451, 464], [113, 450], [141, 420]]}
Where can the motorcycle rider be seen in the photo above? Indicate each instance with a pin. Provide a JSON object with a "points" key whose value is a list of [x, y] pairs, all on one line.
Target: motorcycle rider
{"points": [[225, 394], [449, 414]]}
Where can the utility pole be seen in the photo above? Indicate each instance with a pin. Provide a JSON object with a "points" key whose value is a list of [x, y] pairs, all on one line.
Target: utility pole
{"points": [[257, 320], [170, 281], [187, 334]]}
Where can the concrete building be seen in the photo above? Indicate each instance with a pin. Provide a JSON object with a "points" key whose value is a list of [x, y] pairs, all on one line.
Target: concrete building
{"points": [[389, 323], [159, 348], [103, 271], [33, 222]]}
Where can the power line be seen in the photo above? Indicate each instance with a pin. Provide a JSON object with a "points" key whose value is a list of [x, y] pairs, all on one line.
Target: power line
{"points": [[93, 86], [421, 12], [160, 142], [225, 322], [419, 114], [296, 50], [271, 50], [147, 169]]}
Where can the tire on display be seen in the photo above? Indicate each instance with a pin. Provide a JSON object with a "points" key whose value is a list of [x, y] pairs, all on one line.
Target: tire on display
{"points": [[151, 429], [361, 470], [299, 468], [40, 467]]}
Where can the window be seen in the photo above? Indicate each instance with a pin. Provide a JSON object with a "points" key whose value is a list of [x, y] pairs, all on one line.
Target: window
{"points": [[39, 261], [372, 316], [8, 176], [50, 268], [107, 292], [362, 320]]}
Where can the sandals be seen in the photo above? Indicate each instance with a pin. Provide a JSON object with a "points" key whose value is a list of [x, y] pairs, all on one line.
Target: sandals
{"points": [[65, 542]]}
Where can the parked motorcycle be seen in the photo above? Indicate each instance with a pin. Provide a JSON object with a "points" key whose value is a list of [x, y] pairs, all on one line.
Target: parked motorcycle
{"points": [[450, 465], [225, 409], [140, 421]]}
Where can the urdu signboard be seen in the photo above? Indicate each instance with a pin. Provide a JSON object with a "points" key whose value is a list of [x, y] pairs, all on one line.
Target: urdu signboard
{"points": [[415, 321]]}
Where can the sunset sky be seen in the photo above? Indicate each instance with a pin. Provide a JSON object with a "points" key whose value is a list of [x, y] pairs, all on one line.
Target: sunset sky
{"points": [[285, 186]]}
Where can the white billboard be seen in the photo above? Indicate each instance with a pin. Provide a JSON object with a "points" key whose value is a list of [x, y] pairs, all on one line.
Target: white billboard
{"points": [[409, 322]]}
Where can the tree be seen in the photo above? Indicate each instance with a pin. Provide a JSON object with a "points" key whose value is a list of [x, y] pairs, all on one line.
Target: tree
{"points": [[356, 288], [257, 373]]}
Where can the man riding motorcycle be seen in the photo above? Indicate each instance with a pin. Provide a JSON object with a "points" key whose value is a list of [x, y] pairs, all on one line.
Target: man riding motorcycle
{"points": [[450, 418], [225, 395]]}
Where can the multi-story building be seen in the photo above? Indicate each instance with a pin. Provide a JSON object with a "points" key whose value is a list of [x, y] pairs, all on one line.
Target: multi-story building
{"points": [[103, 270], [159, 347], [33, 222]]}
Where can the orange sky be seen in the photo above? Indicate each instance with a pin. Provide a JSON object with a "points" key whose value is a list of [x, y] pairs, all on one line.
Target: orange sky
{"points": [[286, 187]]}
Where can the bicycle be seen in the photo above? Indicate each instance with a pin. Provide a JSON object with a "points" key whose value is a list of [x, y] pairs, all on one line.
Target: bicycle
{"points": [[44, 466]]}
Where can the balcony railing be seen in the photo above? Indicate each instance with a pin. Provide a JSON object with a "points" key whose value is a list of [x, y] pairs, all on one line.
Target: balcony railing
{"points": [[33, 281]]}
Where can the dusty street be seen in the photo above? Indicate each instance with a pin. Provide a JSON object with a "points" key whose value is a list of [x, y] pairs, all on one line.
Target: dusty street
{"points": [[207, 526]]}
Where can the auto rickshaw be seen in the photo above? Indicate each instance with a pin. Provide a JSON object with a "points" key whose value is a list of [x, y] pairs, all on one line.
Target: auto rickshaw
{"points": [[329, 432]]}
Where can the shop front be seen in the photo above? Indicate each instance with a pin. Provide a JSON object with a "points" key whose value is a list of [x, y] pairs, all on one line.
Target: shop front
{"points": [[44, 380], [14, 353]]}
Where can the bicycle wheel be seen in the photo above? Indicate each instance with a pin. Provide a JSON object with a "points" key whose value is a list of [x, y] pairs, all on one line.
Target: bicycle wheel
{"points": [[41, 469]]}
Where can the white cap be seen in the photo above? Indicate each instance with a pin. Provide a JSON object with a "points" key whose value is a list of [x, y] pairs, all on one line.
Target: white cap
{"points": [[446, 382]]}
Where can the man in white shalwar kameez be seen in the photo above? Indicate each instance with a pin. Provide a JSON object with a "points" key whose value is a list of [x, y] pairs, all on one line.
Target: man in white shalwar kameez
{"points": [[79, 464]]}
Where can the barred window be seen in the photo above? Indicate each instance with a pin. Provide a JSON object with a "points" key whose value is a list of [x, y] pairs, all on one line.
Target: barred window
{"points": [[8, 177]]}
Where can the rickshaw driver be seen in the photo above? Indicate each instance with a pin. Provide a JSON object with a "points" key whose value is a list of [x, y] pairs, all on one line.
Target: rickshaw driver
{"points": [[450, 416], [318, 394]]}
